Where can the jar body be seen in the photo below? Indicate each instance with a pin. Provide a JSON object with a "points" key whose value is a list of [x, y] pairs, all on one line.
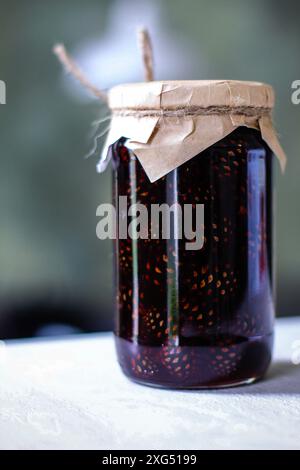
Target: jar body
{"points": [[199, 318]]}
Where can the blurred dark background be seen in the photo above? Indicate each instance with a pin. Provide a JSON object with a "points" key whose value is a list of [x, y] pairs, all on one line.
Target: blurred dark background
{"points": [[55, 276]]}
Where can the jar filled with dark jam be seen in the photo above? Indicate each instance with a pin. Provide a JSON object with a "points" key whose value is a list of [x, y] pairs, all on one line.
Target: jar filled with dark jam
{"points": [[198, 318]]}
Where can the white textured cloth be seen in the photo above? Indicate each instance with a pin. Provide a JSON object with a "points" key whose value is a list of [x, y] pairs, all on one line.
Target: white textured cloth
{"points": [[71, 394]]}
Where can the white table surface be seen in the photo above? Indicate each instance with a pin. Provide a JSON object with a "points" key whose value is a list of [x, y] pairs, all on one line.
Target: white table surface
{"points": [[71, 394]]}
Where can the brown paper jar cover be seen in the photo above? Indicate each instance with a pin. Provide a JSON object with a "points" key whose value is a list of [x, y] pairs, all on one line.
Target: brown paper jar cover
{"points": [[169, 122]]}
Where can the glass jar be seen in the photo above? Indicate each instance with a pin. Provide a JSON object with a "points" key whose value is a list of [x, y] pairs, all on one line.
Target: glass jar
{"points": [[199, 318]]}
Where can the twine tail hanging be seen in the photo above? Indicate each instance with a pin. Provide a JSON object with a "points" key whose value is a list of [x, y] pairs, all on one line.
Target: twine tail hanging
{"points": [[145, 45], [71, 67]]}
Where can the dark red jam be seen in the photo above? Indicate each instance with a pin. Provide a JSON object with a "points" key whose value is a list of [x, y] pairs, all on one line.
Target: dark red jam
{"points": [[199, 318]]}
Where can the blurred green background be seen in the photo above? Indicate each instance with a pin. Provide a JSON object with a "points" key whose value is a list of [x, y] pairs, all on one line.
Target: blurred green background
{"points": [[53, 270]]}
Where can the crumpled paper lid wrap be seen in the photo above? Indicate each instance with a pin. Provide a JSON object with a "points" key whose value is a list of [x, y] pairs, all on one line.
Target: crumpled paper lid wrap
{"points": [[169, 122]]}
